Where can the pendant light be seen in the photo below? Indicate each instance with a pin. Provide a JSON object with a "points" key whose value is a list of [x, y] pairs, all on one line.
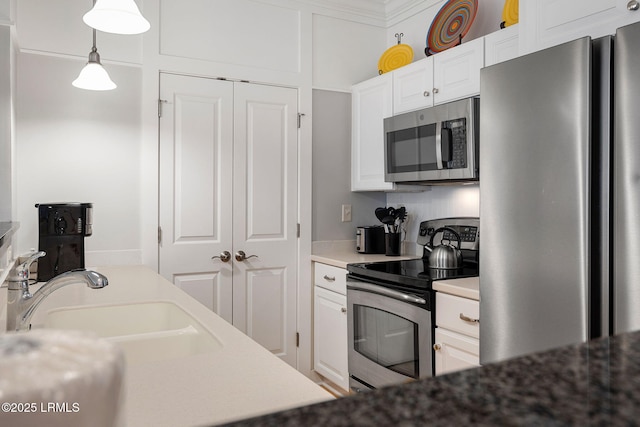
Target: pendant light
{"points": [[116, 16], [93, 76]]}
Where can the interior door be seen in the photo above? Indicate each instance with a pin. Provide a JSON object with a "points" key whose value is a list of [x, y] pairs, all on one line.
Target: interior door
{"points": [[196, 132], [265, 187]]}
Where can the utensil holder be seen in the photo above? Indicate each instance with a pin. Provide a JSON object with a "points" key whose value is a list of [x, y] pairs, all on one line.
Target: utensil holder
{"points": [[392, 244]]}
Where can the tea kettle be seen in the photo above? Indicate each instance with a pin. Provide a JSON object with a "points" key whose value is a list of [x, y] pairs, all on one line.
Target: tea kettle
{"points": [[445, 256]]}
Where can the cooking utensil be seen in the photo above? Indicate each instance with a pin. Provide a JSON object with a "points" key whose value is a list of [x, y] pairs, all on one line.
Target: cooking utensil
{"points": [[395, 57], [445, 256], [381, 213], [450, 25]]}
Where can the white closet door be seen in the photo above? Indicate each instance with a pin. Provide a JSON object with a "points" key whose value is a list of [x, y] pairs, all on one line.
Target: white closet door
{"points": [[196, 132], [265, 216]]}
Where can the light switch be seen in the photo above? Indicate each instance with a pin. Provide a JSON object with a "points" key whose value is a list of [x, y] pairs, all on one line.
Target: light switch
{"points": [[346, 213]]}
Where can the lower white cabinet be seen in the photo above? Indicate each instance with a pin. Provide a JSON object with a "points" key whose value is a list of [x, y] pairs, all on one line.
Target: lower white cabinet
{"points": [[457, 337], [330, 327]]}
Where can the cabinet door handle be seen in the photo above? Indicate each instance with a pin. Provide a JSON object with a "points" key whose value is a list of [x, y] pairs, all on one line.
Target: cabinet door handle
{"points": [[224, 256], [329, 278], [633, 5], [468, 319], [437, 347], [436, 90], [426, 93], [343, 309]]}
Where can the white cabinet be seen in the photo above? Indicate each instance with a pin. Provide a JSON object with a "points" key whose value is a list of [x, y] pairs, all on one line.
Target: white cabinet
{"points": [[413, 86], [502, 45], [449, 75], [330, 324], [547, 23], [457, 336], [456, 71], [371, 103]]}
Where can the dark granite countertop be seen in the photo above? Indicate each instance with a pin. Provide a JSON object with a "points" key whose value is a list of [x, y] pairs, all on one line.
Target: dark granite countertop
{"points": [[596, 383]]}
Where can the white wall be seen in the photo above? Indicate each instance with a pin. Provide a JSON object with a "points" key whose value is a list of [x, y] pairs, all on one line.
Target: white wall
{"points": [[439, 202], [80, 146], [416, 28], [344, 52]]}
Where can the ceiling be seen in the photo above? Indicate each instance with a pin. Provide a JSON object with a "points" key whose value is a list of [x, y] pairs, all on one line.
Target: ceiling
{"points": [[386, 11]]}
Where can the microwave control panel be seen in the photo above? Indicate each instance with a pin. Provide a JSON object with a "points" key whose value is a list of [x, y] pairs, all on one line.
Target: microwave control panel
{"points": [[457, 148]]}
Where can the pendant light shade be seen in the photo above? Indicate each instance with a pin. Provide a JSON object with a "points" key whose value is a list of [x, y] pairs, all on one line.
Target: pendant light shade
{"points": [[116, 16], [93, 76]]}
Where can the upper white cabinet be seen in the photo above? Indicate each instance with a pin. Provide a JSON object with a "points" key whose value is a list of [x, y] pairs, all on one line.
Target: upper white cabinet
{"points": [[413, 86], [456, 71], [371, 102], [449, 75], [446, 76], [547, 23], [501, 45]]}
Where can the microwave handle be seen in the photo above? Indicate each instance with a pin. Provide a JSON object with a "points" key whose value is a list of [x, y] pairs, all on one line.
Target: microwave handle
{"points": [[446, 142], [439, 144]]}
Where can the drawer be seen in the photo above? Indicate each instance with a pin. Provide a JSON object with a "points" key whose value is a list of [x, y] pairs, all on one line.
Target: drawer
{"points": [[455, 352], [458, 314], [330, 277]]}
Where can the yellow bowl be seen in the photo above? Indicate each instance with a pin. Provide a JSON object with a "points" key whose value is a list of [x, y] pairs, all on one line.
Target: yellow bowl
{"points": [[395, 57], [510, 12]]}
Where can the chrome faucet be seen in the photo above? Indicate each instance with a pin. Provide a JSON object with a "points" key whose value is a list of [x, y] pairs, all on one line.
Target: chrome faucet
{"points": [[21, 304]]}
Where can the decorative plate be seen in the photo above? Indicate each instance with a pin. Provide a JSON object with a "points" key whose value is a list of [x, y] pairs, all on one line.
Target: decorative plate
{"points": [[395, 57], [450, 25], [509, 13]]}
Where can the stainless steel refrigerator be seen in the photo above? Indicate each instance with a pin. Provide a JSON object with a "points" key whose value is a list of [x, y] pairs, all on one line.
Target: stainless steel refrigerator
{"points": [[560, 196]]}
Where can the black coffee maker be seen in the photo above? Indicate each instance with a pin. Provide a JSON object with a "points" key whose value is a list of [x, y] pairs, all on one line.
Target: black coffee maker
{"points": [[62, 229]]}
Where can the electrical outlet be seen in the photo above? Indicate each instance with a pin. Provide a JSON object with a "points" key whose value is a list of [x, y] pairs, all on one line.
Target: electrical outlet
{"points": [[346, 213]]}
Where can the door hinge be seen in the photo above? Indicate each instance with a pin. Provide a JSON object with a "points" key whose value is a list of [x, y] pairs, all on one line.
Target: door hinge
{"points": [[298, 230], [300, 115], [160, 102], [159, 235], [297, 339]]}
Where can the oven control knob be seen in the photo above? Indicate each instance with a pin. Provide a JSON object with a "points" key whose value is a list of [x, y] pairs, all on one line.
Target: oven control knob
{"points": [[437, 347]]}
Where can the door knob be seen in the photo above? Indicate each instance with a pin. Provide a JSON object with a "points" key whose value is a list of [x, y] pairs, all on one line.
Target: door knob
{"points": [[224, 256], [241, 256]]}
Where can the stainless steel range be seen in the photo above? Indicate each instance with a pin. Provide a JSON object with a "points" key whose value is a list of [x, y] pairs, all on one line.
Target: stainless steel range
{"points": [[391, 306]]}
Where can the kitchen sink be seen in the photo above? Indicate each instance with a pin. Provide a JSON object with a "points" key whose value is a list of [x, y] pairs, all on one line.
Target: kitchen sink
{"points": [[144, 331]]}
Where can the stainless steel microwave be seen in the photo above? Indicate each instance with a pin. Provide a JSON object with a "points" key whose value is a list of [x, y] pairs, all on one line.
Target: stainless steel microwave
{"points": [[435, 145]]}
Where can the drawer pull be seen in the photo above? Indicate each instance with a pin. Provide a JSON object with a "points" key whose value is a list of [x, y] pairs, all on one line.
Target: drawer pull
{"points": [[468, 319], [329, 278]]}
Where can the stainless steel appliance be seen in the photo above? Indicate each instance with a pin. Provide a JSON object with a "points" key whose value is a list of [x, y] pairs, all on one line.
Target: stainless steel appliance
{"points": [[62, 228], [370, 239], [433, 145], [560, 159], [391, 310]]}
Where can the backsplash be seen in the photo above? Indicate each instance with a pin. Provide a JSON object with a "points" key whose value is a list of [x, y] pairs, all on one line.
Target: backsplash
{"points": [[436, 202]]}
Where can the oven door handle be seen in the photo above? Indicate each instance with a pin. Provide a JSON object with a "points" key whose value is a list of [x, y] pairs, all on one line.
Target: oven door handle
{"points": [[366, 287]]}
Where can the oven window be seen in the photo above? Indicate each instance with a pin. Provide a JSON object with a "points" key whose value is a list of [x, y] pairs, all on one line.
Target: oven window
{"points": [[387, 339], [412, 150]]}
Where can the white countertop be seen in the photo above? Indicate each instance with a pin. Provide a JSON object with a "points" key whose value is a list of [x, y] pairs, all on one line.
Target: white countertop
{"points": [[240, 381], [340, 253], [468, 287]]}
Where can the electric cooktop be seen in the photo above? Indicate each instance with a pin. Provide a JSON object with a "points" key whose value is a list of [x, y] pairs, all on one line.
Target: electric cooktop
{"points": [[413, 273], [416, 273]]}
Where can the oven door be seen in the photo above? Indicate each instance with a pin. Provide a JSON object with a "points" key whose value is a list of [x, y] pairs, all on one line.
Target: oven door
{"points": [[390, 336]]}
